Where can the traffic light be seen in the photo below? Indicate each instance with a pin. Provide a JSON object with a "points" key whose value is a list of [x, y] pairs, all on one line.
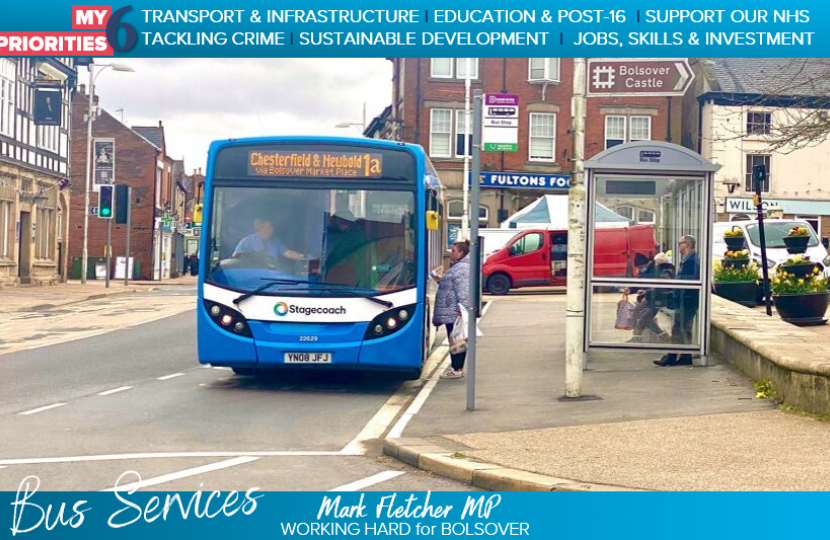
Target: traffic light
{"points": [[105, 202], [759, 177], [197, 214], [122, 203]]}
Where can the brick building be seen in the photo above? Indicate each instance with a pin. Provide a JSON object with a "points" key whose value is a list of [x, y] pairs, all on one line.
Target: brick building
{"points": [[428, 109], [34, 166], [140, 163]]}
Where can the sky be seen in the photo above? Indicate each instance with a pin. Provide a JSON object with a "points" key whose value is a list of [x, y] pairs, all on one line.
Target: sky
{"points": [[200, 99]]}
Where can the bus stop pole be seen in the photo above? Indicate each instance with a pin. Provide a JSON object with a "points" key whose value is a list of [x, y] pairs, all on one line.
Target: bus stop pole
{"points": [[475, 270], [575, 319], [127, 247]]}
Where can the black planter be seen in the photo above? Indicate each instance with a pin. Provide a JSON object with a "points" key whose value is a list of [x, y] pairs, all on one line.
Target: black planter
{"points": [[734, 263], [802, 309], [742, 292], [799, 270], [796, 244], [734, 243]]}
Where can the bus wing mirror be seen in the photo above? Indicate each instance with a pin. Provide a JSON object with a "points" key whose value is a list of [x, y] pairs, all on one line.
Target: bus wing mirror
{"points": [[432, 220]]}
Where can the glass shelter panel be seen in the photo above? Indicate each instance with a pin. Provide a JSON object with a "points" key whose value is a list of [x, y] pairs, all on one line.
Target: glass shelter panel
{"points": [[662, 247], [644, 317]]}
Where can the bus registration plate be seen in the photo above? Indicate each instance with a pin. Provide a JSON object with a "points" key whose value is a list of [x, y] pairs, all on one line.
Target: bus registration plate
{"points": [[308, 358]]}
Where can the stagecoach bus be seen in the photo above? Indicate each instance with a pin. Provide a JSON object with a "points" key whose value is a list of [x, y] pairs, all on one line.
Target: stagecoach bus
{"points": [[317, 254]]}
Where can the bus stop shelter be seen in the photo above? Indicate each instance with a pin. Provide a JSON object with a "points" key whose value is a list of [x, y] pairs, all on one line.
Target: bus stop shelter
{"points": [[644, 291]]}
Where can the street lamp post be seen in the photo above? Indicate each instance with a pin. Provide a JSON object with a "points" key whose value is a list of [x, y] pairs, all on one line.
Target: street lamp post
{"points": [[90, 116], [361, 125]]}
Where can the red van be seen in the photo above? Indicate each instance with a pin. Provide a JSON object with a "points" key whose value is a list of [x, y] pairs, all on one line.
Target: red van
{"points": [[538, 258]]}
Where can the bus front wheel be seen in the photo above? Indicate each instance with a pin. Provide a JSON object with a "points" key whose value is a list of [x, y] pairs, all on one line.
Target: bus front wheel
{"points": [[498, 284]]}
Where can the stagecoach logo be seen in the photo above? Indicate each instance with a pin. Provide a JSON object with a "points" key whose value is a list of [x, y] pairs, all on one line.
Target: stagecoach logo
{"points": [[282, 309]]}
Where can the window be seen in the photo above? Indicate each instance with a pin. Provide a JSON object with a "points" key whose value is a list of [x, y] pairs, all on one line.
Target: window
{"points": [[463, 143], [542, 137], [440, 133], [5, 223], [751, 161], [44, 234], [48, 137], [455, 210], [544, 69], [640, 128], [645, 216], [7, 78], [626, 212], [614, 131], [758, 123], [461, 68], [527, 244], [441, 68]]}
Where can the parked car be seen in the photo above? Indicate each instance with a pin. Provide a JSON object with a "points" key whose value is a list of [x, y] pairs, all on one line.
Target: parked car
{"points": [[538, 258], [774, 230]]}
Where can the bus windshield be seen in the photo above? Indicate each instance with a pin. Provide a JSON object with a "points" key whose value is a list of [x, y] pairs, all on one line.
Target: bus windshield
{"points": [[352, 238]]}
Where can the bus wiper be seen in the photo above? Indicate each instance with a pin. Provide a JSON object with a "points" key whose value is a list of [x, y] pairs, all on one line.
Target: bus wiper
{"points": [[330, 287], [271, 282], [385, 303]]}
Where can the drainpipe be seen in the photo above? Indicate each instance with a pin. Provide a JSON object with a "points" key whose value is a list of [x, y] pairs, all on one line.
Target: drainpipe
{"points": [[418, 104]]}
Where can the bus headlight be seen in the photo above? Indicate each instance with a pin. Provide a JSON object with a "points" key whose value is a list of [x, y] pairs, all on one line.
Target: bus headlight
{"points": [[228, 319], [389, 322]]}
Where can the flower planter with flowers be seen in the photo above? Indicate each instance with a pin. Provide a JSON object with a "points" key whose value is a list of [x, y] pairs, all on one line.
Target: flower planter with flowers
{"points": [[736, 259], [737, 284], [734, 239], [797, 240], [800, 299]]}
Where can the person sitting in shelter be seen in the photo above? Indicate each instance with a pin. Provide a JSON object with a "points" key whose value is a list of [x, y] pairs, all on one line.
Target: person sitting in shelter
{"points": [[649, 301]]}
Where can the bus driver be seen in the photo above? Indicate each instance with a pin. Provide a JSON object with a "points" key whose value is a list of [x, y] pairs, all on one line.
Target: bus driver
{"points": [[263, 241]]}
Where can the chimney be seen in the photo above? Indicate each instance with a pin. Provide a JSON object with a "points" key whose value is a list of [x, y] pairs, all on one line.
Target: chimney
{"points": [[160, 123]]}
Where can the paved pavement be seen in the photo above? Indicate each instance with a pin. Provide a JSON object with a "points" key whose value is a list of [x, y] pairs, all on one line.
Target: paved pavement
{"points": [[645, 427], [79, 411]]}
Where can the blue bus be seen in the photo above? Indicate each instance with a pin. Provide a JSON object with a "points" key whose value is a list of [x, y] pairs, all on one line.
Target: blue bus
{"points": [[316, 253]]}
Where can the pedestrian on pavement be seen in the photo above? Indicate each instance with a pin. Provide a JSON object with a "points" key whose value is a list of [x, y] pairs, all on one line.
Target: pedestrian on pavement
{"points": [[686, 303], [453, 289], [186, 267], [194, 264]]}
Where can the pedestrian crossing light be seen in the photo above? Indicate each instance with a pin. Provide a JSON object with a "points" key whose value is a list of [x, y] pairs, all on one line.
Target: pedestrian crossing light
{"points": [[105, 202]]}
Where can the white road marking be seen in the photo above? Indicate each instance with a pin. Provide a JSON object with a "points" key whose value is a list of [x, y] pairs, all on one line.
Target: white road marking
{"points": [[41, 409], [116, 390], [184, 474], [421, 398], [418, 402], [382, 419], [165, 455], [168, 377], [369, 481], [2, 466], [222, 368]]}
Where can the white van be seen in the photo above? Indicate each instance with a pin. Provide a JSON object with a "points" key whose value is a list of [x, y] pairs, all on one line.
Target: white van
{"points": [[774, 231]]}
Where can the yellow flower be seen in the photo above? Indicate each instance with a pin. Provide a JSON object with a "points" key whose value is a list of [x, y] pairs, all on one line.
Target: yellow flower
{"points": [[801, 282], [816, 270]]}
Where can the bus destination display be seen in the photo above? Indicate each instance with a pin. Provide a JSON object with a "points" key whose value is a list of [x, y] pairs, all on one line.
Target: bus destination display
{"points": [[315, 164]]}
